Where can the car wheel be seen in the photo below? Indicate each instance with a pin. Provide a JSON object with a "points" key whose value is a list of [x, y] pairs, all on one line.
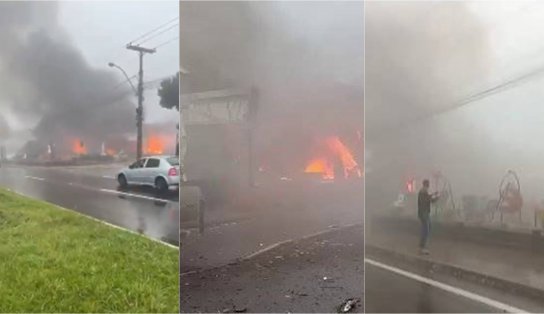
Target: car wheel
{"points": [[122, 181], [161, 185]]}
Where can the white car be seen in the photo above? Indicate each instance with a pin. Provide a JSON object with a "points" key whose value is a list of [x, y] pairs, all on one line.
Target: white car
{"points": [[160, 172]]}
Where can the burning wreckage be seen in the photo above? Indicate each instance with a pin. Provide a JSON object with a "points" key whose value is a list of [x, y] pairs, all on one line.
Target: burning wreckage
{"points": [[227, 146], [158, 140]]}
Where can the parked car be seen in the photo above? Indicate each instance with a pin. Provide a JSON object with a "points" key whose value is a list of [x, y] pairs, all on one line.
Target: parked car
{"points": [[160, 172]]}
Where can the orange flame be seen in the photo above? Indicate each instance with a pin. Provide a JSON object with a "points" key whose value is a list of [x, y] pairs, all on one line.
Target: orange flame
{"points": [[154, 145], [110, 151], [78, 147], [320, 165], [339, 151]]}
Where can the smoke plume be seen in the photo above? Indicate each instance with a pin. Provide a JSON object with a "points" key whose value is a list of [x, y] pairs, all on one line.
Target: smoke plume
{"points": [[421, 58], [47, 83], [305, 59]]}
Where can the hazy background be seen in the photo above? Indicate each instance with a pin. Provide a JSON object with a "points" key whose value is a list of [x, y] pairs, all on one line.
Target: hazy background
{"points": [[54, 74], [423, 59], [305, 59]]}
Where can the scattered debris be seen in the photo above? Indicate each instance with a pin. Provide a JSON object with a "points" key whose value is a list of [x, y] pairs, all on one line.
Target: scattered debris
{"points": [[328, 279], [348, 305], [235, 309]]}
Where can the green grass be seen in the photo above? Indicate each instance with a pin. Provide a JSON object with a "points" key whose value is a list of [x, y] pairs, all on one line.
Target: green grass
{"points": [[53, 260]]}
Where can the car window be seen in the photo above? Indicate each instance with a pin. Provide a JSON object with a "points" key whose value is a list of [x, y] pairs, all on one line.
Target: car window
{"points": [[152, 163], [173, 161], [138, 164]]}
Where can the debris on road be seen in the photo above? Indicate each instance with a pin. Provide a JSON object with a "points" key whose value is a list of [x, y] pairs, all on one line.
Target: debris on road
{"points": [[235, 309], [348, 305]]}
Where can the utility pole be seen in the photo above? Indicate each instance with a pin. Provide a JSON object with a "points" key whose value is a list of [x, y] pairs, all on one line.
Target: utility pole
{"points": [[251, 123], [140, 109]]}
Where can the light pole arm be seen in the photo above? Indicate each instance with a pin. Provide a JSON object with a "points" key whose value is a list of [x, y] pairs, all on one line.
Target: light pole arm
{"points": [[113, 65]]}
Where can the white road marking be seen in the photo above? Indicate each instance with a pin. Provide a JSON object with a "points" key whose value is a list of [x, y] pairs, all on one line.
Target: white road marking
{"points": [[188, 273], [135, 195], [306, 237], [35, 178], [266, 249], [103, 222], [458, 291], [106, 190]]}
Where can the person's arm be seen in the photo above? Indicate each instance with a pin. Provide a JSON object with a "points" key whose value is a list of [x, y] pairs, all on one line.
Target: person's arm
{"points": [[435, 196]]}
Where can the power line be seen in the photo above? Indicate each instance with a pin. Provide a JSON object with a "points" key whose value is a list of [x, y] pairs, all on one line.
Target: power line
{"points": [[154, 30], [167, 42], [124, 81], [157, 34], [478, 96], [158, 80]]}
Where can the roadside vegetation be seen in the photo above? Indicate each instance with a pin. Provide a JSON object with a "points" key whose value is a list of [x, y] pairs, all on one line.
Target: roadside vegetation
{"points": [[54, 260]]}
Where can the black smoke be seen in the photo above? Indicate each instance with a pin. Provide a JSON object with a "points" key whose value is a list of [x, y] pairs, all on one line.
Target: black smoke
{"points": [[305, 59], [45, 78]]}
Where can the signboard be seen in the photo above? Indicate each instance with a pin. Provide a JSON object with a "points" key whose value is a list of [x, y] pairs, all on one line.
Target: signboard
{"points": [[215, 107]]}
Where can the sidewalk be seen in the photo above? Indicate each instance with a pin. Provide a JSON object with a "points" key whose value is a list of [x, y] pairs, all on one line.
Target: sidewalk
{"points": [[519, 265]]}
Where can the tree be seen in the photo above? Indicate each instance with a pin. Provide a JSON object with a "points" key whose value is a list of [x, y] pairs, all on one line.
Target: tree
{"points": [[169, 92]]}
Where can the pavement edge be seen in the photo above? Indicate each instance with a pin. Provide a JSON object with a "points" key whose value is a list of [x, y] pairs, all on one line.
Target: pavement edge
{"points": [[458, 272]]}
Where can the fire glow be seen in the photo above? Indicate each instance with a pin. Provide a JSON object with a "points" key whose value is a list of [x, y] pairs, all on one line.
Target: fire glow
{"points": [[78, 147], [335, 150], [154, 145], [110, 151]]}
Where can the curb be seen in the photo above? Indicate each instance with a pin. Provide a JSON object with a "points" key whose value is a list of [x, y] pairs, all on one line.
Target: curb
{"points": [[460, 272], [505, 237], [167, 244]]}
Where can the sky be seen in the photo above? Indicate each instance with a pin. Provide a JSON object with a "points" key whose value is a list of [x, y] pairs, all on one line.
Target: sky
{"points": [[516, 34], [101, 29]]}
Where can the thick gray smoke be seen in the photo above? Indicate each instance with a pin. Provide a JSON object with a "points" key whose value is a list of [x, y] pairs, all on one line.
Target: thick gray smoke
{"points": [[4, 128], [421, 58], [306, 60], [46, 80]]}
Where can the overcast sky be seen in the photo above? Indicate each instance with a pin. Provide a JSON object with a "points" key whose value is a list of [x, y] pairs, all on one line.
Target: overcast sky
{"points": [[101, 29]]}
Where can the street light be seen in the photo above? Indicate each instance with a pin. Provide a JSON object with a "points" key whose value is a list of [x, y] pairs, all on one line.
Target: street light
{"points": [[139, 110], [113, 65]]}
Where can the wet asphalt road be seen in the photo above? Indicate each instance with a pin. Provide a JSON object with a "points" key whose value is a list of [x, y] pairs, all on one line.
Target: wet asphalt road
{"points": [[312, 275], [93, 191], [411, 296], [275, 215], [278, 220]]}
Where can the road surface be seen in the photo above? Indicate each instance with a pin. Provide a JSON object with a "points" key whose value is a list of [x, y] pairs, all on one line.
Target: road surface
{"points": [[282, 219], [411, 296], [417, 289], [311, 275], [93, 191]]}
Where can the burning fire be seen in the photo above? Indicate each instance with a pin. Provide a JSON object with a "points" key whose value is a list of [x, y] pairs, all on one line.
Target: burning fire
{"points": [[154, 145], [110, 151], [321, 165], [336, 150], [78, 147]]}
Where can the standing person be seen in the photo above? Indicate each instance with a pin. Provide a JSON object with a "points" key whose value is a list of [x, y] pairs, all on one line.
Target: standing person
{"points": [[424, 200]]}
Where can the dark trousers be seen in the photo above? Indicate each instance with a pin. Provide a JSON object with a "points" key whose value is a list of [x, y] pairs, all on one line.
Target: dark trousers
{"points": [[425, 230]]}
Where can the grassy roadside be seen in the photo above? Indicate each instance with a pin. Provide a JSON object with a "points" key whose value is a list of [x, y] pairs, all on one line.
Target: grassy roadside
{"points": [[52, 260]]}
